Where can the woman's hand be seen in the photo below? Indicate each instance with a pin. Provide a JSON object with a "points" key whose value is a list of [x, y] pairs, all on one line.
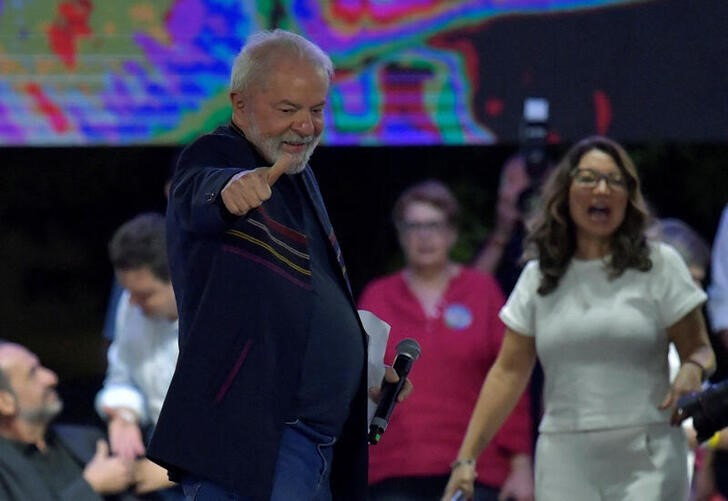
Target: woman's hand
{"points": [[688, 380], [462, 478]]}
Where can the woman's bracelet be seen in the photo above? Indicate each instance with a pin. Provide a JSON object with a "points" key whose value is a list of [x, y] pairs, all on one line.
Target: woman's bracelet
{"points": [[460, 462]]}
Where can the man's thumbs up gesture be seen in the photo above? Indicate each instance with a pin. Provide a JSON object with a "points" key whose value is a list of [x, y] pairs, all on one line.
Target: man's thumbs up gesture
{"points": [[248, 190]]}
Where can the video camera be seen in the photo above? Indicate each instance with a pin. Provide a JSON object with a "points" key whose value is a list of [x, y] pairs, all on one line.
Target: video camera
{"points": [[708, 408], [533, 136]]}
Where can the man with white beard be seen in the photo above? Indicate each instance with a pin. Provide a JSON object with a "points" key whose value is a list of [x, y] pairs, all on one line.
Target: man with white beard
{"points": [[268, 400]]}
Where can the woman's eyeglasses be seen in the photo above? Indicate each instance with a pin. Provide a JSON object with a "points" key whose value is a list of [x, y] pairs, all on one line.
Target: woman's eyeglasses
{"points": [[589, 179], [423, 226]]}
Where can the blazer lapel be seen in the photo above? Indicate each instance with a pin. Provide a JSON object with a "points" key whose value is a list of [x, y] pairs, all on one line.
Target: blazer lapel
{"points": [[309, 181]]}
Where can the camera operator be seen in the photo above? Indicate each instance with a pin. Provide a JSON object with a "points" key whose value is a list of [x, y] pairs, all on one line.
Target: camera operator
{"points": [[708, 411], [701, 431], [522, 175], [718, 316], [520, 182]]}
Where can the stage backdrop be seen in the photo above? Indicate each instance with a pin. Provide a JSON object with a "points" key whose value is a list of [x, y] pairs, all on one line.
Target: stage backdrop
{"points": [[410, 72]]}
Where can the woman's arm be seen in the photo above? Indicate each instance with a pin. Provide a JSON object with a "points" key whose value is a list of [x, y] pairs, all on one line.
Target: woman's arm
{"points": [[690, 337], [503, 386]]}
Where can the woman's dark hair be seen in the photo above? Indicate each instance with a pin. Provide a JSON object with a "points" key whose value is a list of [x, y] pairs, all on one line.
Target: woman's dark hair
{"points": [[552, 234]]}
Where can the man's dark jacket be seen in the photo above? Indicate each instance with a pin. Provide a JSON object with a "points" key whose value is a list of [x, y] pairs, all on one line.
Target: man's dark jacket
{"points": [[244, 295]]}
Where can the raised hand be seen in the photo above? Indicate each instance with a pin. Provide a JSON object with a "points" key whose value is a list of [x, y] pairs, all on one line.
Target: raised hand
{"points": [[248, 190]]}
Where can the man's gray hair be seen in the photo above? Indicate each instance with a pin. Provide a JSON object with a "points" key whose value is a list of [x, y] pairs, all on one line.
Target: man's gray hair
{"points": [[264, 48]]}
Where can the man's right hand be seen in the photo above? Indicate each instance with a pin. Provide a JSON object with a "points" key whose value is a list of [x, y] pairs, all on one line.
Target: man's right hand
{"points": [[108, 474], [248, 190]]}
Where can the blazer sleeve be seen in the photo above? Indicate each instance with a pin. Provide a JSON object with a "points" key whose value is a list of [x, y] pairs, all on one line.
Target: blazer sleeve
{"points": [[203, 170]]}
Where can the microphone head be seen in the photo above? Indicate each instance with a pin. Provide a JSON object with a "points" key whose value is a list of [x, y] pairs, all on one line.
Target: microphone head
{"points": [[409, 347]]}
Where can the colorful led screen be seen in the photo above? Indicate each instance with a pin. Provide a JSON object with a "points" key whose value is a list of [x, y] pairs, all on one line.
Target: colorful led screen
{"points": [[409, 72]]}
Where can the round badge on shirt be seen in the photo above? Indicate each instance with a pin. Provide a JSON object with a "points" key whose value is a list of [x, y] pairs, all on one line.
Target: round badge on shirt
{"points": [[458, 316]]}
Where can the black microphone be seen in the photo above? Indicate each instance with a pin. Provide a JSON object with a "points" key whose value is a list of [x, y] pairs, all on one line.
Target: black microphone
{"points": [[408, 350]]}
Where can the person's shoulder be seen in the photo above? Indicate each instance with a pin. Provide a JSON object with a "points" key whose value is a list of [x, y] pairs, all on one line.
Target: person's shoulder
{"points": [[662, 253], [474, 276], [530, 275], [379, 288], [4, 442], [130, 317], [384, 281], [222, 135], [532, 266], [221, 139], [666, 261]]}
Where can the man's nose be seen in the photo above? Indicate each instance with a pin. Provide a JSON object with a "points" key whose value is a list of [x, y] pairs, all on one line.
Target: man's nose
{"points": [[303, 124], [51, 376]]}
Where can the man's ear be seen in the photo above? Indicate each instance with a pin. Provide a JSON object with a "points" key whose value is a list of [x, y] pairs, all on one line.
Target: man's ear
{"points": [[8, 403], [236, 98]]}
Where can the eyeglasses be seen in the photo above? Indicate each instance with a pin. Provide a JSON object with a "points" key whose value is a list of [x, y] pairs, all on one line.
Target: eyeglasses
{"points": [[423, 227], [590, 179]]}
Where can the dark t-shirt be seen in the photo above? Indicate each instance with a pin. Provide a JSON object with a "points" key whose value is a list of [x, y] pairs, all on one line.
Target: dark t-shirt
{"points": [[334, 357]]}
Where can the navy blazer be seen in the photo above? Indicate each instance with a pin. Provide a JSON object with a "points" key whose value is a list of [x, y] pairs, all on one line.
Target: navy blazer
{"points": [[243, 288]]}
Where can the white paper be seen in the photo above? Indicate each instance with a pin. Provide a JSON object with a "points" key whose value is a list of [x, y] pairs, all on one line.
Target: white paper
{"points": [[378, 333]]}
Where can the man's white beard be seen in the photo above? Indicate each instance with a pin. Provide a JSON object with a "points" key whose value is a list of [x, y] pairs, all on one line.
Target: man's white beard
{"points": [[270, 147]]}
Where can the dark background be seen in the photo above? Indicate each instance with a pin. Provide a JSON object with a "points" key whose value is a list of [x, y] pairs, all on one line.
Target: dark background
{"points": [[59, 207]]}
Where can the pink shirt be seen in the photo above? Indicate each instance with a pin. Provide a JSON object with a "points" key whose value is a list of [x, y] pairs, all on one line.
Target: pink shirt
{"points": [[459, 346]]}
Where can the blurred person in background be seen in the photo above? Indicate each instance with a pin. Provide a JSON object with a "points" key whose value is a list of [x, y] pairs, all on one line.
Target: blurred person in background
{"points": [[718, 315], [695, 251], [143, 353], [501, 255], [452, 311], [518, 190], [42, 461]]}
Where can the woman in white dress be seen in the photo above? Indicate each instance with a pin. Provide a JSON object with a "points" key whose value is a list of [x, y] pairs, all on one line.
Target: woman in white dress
{"points": [[599, 306]]}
